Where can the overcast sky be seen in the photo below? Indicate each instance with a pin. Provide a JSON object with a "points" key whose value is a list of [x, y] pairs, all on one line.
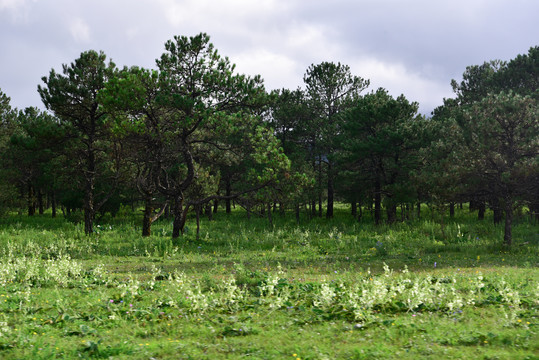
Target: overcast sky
{"points": [[413, 47]]}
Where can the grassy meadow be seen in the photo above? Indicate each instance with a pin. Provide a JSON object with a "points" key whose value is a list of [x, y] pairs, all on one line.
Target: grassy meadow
{"points": [[320, 289]]}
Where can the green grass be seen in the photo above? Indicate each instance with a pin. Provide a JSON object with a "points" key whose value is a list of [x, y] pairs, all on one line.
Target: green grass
{"points": [[321, 289]]}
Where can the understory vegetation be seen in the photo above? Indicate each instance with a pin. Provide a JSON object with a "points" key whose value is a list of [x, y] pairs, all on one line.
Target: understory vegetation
{"points": [[320, 289]]}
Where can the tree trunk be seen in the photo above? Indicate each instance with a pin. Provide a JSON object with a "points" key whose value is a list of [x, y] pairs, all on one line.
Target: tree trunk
{"points": [[270, 219], [147, 218], [297, 213], [166, 213], [228, 190], [320, 186], [40, 204], [354, 208], [209, 213], [331, 193], [391, 213], [31, 202], [481, 211], [451, 210], [498, 215], [53, 204], [89, 210], [178, 222], [215, 206], [497, 210], [377, 201], [507, 237], [197, 211], [418, 210], [442, 220]]}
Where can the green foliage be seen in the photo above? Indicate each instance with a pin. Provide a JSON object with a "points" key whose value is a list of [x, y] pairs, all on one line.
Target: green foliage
{"points": [[380, 141], [73, 97]]}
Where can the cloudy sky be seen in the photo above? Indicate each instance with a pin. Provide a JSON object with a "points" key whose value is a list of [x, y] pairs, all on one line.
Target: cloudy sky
{"points": [[414, 47]]}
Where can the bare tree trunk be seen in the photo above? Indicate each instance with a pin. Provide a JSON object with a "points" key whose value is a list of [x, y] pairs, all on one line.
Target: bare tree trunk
{"points": [[451, 210]]}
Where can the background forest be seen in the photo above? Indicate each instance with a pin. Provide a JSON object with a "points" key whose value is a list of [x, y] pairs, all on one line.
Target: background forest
{"points": [[191, 135]]}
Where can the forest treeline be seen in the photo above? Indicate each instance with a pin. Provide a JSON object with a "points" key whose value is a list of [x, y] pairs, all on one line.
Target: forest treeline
{"points": [[191, 135]]}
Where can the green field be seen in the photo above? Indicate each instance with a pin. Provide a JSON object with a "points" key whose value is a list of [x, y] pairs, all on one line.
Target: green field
{"points": [[323, 289]]}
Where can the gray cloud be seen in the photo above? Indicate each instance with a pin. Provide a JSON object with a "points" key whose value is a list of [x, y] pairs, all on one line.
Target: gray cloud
{"points": [[413, 47]]}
